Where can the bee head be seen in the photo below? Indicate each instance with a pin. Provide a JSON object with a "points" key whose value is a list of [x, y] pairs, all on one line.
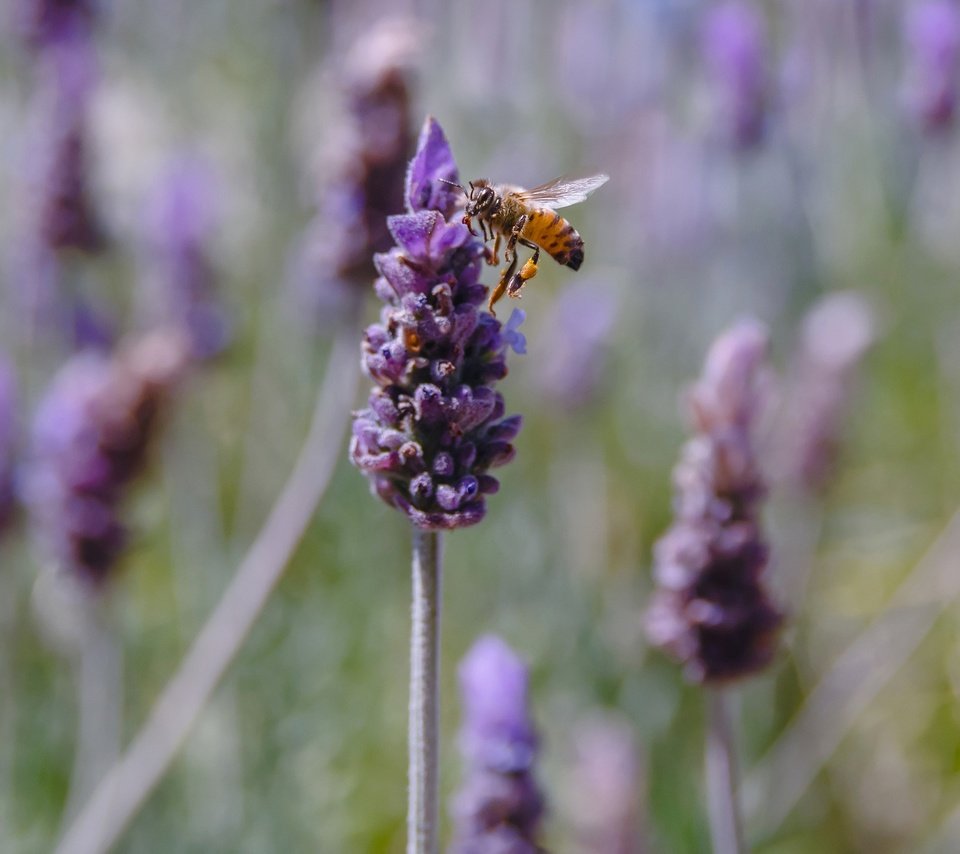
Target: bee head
{"points": [[481, 197]]}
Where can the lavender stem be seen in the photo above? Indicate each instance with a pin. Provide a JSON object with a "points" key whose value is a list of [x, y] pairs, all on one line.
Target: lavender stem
{"points": [[99, 701], [721, 773], [128, 784], [424, 768]]}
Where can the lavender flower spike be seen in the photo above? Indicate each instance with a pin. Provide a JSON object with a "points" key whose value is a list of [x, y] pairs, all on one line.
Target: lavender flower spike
{"points": [[46, 22], [734, 54], [499, 808], [365, 164], [182, 218], [8, 440], [434, 425], [933, 63], [836, 335], [90, 439], [711, 610]]}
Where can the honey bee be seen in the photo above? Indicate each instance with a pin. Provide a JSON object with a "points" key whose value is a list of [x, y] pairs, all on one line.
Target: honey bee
{"points": [[527, 217]]}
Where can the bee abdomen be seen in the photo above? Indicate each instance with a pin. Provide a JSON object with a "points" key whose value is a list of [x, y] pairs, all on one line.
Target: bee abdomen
{"points": [[575, 257], [552, 233]]}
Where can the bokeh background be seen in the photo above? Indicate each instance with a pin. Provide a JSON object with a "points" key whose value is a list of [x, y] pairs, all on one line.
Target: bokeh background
{"points": [[793, 151]]}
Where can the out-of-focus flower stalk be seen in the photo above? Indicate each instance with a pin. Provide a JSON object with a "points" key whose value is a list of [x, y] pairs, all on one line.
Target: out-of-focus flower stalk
{"points": [[182, 219], [711, 610], [129, 782], [91, 436], [364, 163], [734, 51], [932, 36], [835, 336], [606, 799], [499, 807]]}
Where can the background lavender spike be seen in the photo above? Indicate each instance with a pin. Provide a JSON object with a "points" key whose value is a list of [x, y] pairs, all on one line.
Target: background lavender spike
{"points": [[91, 435], [932, 36], [62, 210], [734, 52], [499, 807], [835, 336], [577, 332], [711, 610], [8, 440], [182, 218], [434, 426], [43, 23], [363, 166], [606, 796]]}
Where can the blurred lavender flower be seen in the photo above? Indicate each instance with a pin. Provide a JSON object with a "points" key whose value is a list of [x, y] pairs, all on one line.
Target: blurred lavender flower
{"points": [[434, 425], [933, 62], [734, 51], [43, 23], [62, 212], [366, 164], [90, 439], [711, 610], [8, 440], [499, 807], [836, 334], [181, 220], [607, 795], [578, 329]]}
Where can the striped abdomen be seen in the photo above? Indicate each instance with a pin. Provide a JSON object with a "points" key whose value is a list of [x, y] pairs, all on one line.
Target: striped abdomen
{"points": [[552, 233]]}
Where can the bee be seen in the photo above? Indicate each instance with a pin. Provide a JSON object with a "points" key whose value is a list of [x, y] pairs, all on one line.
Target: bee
{"points": [[527, 217]]}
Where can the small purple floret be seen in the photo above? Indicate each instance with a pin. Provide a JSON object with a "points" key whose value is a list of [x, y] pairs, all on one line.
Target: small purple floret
{"points": [[434, 357]]}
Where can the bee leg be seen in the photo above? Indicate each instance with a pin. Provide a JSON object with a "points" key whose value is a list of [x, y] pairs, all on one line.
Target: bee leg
{"points": [[526, 272], [505, 277], [511, 251], [494, 258]]}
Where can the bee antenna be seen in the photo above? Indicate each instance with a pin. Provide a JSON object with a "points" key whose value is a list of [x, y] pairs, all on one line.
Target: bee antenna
{"points": [[455, 184]]}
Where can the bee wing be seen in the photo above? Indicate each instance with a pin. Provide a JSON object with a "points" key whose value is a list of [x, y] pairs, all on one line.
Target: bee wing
{"points": [[563, 192]]}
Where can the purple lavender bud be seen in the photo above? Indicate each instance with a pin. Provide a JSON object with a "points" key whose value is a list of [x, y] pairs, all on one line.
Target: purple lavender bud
{"points": [[933, 63], [43, 23], [181, 222], [606, 797], [711, 610], [62, 208], [734, 51], [578, 330], [8, 440], [499, 807], [367, 168], [91, 434], [836, 334], [434, 357]]}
